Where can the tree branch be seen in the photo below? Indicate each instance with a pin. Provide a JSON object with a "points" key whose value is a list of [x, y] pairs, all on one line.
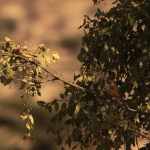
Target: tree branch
{"points": [[83, 89], [56, 77]]}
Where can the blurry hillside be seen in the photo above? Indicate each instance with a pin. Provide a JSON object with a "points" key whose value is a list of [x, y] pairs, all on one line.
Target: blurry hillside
{"points": [[53, 23]]}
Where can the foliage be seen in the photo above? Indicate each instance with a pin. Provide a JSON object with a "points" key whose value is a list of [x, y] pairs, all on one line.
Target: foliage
{"points": [[115, 47], [97, 1], [15, 67]]}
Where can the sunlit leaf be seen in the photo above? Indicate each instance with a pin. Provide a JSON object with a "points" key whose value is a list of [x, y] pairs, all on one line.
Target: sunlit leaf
{"points": [[137, 118], [23, 117], [55, 56], [31, 119], [106, 47], [7, 39], [28, 126], [80, 79]]}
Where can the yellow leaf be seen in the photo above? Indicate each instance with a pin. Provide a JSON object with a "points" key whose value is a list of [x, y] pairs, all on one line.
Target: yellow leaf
{"points": [[55, 56], [27, 126], [31, 119], [7, 39], [77, 109], [23, 117]]}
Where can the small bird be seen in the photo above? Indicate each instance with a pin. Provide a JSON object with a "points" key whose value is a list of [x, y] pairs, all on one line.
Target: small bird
{"points": [[114, 92], [20, 52]]}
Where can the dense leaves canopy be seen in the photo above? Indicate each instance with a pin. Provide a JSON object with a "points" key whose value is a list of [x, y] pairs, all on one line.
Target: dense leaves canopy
{"points": [[116, 48]]}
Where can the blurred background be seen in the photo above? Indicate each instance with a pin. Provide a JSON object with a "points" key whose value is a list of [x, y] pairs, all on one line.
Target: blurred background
{"points": [[54, 24]]}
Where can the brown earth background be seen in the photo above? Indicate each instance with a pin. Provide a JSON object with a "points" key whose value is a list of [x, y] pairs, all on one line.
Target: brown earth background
{"points": [[54, 24]]}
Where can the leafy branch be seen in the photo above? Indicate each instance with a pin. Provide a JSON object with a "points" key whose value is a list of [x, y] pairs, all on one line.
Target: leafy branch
{"points": [[58, 77]]}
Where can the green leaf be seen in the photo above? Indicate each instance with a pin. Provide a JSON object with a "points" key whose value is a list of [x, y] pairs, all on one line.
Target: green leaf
{"points": [[58, 140], [135, 4], [132, 21], [41, 103], [62, 96], [39, 93], [56, 106], [54, 118], [54, 102], [111, 131], [106, 31], [63, 106], [69, 122], [80, 104], [59, 130], [135, 83], [49, 108], [106, 47]]}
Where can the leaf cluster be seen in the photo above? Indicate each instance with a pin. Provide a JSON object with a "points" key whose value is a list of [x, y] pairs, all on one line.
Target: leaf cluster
{"points": [[16, 67], [115, 48]]}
